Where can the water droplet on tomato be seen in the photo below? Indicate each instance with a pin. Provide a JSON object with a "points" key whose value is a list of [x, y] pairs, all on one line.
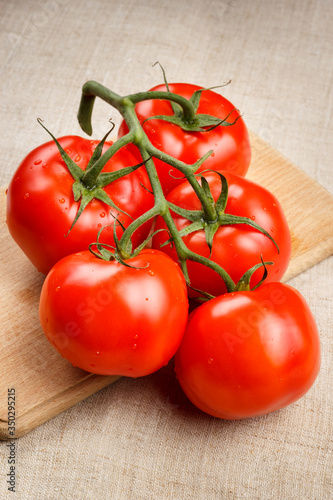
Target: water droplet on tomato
{"points": [[45, 165], [151, 272], [26, 196], [264, 209], [61, 200], [102, 214], [147, 298], [68, 151], [99, 225], [134, 346], [37, 162], [253, 217], [57, 289], [77, 158], [210, 361], [97, 353], [272, 229]]}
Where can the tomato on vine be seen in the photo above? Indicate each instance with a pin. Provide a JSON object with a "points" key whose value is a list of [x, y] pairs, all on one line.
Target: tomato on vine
{"points": [[54, 208], [246, 221], [249, 353], [115, 318], [224, 133]]}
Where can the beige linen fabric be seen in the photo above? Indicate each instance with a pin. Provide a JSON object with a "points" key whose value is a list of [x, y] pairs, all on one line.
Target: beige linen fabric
{"points": [[141, 439]]}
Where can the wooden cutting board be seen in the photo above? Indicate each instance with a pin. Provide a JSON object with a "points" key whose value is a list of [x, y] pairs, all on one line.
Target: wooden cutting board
{"points": [[44, 383]]}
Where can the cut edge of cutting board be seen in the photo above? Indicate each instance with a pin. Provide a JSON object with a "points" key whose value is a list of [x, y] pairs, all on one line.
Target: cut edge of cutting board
{"points": [[304, 258], [52, 407], [305, 261]]}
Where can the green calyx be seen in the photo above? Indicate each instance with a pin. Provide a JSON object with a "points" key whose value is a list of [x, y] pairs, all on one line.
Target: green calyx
{"points": [[186, 117], [89, 183], [243, 284], [117, 251], [213, 215], [198, 123]]}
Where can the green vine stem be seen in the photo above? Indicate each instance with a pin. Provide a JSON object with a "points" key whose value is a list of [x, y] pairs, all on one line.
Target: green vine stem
{"points": [[92, 89], [136, 135]]}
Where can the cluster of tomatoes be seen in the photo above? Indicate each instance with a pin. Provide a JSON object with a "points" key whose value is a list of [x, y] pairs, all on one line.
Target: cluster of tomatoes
{"points": [[246, 351]]}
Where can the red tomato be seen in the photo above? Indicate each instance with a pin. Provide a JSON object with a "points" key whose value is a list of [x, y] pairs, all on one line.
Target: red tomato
{"points": [[111, 319], [41, 205], [237, 247], [246, 354], [231, 144]]}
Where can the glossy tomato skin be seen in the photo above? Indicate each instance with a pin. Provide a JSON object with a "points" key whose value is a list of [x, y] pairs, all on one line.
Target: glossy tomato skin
{"points": [[246, 354], [230, 144], [41, 205], [110, 319], [236, 247]]}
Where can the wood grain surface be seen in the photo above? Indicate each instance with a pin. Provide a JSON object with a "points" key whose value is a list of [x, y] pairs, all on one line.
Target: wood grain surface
{"points": [[46, 383]]}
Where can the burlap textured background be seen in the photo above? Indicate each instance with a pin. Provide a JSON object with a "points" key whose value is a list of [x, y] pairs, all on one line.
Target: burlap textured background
{"points": [[142, 439]]}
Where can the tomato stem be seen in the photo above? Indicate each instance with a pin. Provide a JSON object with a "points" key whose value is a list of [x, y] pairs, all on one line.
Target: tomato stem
{"points": [[188, 171], [244, 282], [186, 105]]}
